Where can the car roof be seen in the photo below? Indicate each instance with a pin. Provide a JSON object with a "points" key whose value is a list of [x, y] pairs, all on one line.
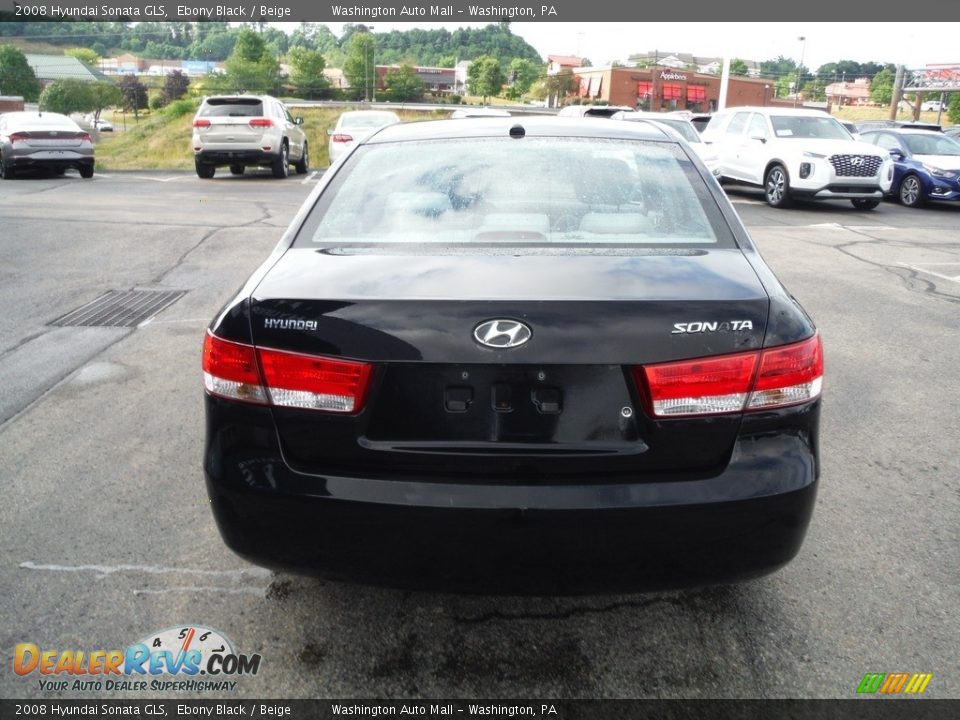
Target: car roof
{"points": [[770, 110], [260, 98], [533, 126], [904, 131], [40, 118]]}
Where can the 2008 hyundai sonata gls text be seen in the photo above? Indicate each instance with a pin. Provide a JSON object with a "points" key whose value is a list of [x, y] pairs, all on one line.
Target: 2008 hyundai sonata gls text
{"points": [[505, 354]]}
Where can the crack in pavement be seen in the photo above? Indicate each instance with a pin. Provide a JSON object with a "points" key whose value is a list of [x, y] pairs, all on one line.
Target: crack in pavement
{"points": [[570, 612], [910, 276]]}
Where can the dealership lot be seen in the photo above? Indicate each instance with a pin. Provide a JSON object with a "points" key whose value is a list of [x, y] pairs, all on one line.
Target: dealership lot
{"points": [[108, 537]]}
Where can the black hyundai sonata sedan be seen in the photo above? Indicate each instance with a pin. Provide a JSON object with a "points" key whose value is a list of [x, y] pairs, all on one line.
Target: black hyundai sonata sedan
{"points": [[515, 355]]}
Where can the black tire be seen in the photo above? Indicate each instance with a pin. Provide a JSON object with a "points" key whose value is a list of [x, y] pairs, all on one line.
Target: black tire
{"points": [[59, 171], [6, 171], [86, 171], [281, 166], [910, 191], [302, 165], [237, 169], [204, 170], [776, 187], [864, 203]]}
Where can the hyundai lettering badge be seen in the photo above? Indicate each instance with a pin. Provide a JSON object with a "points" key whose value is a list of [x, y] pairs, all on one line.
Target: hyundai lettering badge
{"points": [[502, 333]]}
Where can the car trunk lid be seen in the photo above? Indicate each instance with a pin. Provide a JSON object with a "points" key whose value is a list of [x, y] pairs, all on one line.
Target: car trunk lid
{"points": [[546, 409]]}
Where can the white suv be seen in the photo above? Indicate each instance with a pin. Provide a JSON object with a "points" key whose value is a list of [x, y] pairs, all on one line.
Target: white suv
{"points": [[798, 153], [243, 130]]}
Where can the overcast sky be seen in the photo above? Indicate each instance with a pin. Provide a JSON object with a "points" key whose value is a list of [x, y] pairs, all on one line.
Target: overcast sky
{"points": [[912, 44]]}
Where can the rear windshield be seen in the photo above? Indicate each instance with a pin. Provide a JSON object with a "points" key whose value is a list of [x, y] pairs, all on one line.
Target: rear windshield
{"points": [[684, 128], [539, 191], [232, 107], [367, 121], [931, 144]]}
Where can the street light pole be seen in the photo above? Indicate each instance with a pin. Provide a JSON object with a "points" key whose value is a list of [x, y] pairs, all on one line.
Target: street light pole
{"points": [[796, 90]]}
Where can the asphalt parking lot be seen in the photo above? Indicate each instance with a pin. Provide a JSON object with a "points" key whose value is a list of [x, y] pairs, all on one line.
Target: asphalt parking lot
{"points": [[107, 536]]}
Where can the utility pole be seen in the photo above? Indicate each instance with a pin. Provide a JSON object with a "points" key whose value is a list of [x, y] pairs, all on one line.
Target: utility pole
{"points": [[796, 89], [895, 95]]}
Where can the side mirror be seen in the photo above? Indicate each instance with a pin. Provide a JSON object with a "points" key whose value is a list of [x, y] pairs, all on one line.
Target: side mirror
{"points": [[761, 138], [329, 131], [298, 120], [897, 154]]}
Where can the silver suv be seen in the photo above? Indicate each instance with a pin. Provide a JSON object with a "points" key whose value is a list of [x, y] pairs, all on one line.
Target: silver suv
{"points": [[243, 130]]}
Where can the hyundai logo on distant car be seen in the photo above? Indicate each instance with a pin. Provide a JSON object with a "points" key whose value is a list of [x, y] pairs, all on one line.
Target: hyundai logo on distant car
{"points": [[502, 333], [856, 161]]}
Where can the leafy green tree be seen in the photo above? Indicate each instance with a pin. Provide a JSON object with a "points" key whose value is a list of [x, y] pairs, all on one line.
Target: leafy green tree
{"points": [[306, 72], [66, 96], [523, 74], [84, 55], [359, 67], [403, 84], [953, 107], [16, 75], [554, 88], [815, 89], [738, 67], [881, 88], [485, 77], [103, 94], [251, 66]]}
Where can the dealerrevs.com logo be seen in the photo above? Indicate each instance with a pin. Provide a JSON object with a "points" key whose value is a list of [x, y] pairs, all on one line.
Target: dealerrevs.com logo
{"points": [[184, 659]]}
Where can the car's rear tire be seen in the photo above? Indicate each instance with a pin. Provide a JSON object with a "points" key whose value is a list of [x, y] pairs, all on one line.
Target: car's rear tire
{"points": [[911, 191], [6, 171], [86, 171], [237, 169], [776, 187], [864, 203], [281, 166], [204, 170], [303, 164], [59, 171]]}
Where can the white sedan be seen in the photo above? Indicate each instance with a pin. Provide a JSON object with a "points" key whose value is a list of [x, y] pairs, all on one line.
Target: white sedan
{"points": [[355, 126]]}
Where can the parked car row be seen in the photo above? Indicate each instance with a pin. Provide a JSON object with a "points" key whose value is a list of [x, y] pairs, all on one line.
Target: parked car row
{"points": [[802, 153]]}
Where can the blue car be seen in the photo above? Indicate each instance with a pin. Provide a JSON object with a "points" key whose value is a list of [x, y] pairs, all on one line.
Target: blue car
{"points": [[926, 164]]}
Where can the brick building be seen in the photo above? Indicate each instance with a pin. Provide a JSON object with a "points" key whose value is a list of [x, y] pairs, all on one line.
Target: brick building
{"points": [[665, 88]]}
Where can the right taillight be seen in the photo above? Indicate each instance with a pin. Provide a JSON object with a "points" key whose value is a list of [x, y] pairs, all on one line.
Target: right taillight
{"points": [[341, 138], [758, 380], [788, 375], [285, 379]]}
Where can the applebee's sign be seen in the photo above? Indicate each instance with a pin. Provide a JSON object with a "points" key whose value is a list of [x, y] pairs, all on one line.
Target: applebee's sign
{"points": [[664, 75]]}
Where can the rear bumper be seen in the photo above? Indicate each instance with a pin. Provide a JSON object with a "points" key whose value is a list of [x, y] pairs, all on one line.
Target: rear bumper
{"points": [[68, 160], [745, 522], [230, 157]]}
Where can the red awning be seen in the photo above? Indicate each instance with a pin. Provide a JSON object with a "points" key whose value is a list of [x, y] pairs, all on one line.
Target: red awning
{"points": [[696, 93], [644, 89], [672, 92]]}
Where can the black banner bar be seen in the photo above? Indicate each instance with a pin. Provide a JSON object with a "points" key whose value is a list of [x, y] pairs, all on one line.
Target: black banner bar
{"points": [[545, 709], [473, 11]]}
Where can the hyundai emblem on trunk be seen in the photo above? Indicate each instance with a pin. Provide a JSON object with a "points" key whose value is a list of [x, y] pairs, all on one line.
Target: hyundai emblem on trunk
{"points": [[502, 333]]}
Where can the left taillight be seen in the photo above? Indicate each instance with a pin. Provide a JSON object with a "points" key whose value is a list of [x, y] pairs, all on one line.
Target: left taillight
{"points": [[230, 370], [758, 380], [18, 137], [261, 122], [285, 379]]}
